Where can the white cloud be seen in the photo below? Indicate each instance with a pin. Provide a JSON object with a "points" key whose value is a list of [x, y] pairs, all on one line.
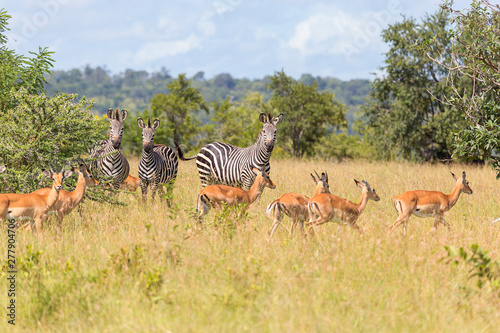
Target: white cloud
{"points": [[336, 32], [156, 50]]}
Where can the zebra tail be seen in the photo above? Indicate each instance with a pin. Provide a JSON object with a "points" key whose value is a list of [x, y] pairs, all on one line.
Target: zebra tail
{"points": [[181, 154]]}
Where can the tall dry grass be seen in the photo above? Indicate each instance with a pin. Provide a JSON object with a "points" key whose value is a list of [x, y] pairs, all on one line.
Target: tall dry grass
{"points": [[150, 268]]}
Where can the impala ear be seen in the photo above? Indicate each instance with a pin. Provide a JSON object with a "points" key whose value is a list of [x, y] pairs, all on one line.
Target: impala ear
{"points": [[453, 175], [68, 173], [326, 177], [156, 123], [263, 118], [358, 184], [47, 173], [110, 113], [463, 176], [124, 115], [278, 119], [3, 168], [140, 122], [256, 171]]}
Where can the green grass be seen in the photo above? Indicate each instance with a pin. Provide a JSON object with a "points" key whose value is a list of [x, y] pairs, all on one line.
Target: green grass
{"points": [[150, 268]]}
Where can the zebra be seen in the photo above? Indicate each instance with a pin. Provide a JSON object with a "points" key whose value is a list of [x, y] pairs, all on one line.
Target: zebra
{"points": [[222, 163], [108, 158], [158, 164]]}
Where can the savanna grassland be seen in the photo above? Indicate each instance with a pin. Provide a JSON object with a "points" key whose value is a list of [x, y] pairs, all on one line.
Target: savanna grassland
{"points": [[150, 268]]}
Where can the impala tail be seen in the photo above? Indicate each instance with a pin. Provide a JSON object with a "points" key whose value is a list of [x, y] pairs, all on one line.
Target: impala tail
{"points": [[271, 208]]}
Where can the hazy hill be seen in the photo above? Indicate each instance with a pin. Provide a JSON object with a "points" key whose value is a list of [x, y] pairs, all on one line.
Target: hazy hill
{"points": [[133, 89]]}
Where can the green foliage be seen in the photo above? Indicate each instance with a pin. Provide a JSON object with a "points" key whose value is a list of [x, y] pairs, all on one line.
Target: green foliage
{"points": [[309, 114], [177, 111], [474, 58], [40, 130], [482, 267], [236, 123], [19, 71], [404, 114]]}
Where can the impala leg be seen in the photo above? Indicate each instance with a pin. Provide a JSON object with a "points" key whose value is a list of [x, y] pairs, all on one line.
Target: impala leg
{"points": [[38, 226], [60, 217], [276, 223], [396, 224]]}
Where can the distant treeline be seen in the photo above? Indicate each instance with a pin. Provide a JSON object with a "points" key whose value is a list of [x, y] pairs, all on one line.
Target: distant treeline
{"points": [[134, 89]]}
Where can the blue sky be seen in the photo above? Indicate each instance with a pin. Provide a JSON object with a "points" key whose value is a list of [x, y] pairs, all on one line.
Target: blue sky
{"points": [[244, 38]]}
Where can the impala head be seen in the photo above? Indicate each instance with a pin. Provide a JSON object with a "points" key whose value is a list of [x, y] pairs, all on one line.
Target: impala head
{"points": [[263, 179], [148, 133], [369, 191], [463, 183], [57, 177], [116, 126], [84, 171], [321, 182], [268, 132]]}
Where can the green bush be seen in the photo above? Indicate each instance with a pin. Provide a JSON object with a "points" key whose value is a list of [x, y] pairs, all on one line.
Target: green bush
{"points": [[39, 131]]}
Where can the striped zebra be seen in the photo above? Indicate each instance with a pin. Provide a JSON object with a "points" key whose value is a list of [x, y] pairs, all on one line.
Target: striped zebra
{"points": [[109, 160], [158, 164], [222, 163]]}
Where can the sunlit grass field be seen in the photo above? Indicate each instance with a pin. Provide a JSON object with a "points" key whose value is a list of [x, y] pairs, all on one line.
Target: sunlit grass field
{"points": [[151, 268]]}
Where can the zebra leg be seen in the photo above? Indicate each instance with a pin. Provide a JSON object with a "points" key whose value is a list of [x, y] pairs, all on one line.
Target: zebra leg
{"points": [[154, 186], [144, 189]]}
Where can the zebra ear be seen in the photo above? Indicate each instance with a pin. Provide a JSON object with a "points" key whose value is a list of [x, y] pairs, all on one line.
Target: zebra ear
{"points": [[140, 122], [110, 113], [278, 119], [263, 118], [124, 114], [156, 123]]}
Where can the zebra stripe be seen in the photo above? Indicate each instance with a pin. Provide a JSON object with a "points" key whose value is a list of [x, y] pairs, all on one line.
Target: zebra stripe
{"points": [[222, 163], [109, 160], [158, 164]]}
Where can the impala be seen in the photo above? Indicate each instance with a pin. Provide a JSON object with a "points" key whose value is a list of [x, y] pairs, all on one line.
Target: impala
{"points": [[69, 200], [16, 206], [215, 195], [428, 204], [328, 207], [130, 184], [295, 205]]}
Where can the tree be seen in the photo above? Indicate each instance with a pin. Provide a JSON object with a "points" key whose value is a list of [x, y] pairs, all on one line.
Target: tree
{"points": [[236, 123], [405, 117], [474, 57], [177, 111], [309, 114], [18, 71], [36, 129], [40, 131]]}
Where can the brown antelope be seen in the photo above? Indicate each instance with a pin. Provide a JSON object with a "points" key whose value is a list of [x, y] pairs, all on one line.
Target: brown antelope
{"points": [[130, 184], [331, 207], [295, 205], [215, 195], [16, 206], [69, 200], [428, 204]]}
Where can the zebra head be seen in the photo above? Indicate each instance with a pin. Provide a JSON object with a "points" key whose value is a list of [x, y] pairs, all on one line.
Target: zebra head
{"points": [[116, 126], [268, 133], [148, 133]]}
